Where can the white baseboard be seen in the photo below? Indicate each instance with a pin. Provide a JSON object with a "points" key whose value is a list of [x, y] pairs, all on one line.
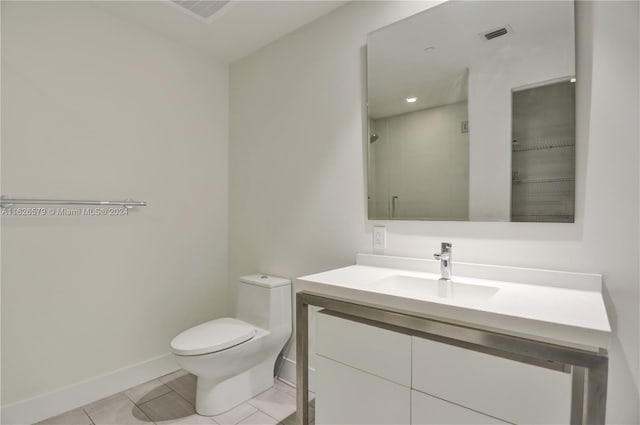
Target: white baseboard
{"points": [[59, 401], [287, 373]]}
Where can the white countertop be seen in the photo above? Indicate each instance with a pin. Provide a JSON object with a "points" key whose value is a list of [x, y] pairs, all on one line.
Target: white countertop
{"points": [[564, 308]]}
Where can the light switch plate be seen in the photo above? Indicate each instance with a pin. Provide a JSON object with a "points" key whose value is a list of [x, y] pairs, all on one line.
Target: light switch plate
{"points": [[379, 237]]}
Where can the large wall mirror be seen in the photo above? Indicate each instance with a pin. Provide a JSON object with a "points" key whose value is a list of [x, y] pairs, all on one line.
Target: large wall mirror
{"points": [[471, 113]]}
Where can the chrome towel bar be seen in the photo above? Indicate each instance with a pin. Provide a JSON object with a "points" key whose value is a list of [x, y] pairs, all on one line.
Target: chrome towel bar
{"points": [[128, 203]]}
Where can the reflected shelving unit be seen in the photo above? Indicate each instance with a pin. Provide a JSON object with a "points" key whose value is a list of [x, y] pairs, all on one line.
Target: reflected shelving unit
{"points": [[543, 153]]}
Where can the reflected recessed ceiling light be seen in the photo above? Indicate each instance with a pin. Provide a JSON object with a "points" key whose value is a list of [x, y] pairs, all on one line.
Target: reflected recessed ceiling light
{"points": [[411, 99], [573, 80], [429, 49]]}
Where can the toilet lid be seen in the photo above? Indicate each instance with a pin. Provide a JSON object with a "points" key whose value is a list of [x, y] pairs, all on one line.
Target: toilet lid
{"points": [[212, 336]]}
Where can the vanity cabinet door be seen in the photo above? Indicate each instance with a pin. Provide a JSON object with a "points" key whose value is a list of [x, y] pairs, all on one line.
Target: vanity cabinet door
{"points": [[375, 350], [346, 395], [512, 391], [427, 410]]}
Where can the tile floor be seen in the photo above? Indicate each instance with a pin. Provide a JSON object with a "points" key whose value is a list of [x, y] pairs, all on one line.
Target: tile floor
{"points": [[169, 400]]}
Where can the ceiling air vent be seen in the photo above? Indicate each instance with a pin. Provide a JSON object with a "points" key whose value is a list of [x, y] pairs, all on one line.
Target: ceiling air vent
{"points": [[201, 9], [496, 32]]}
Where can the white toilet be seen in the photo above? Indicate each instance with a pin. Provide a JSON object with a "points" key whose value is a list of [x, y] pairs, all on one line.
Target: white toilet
{"points": [[234, 358]]}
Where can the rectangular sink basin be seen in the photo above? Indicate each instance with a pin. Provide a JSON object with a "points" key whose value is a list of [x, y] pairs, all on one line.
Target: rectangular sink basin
{"points": [[421, 288]]}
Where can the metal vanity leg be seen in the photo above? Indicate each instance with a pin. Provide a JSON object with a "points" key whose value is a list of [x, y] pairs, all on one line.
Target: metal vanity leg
{"points": [[577, 394], [302, 361], [589, 393], [595, 391]]}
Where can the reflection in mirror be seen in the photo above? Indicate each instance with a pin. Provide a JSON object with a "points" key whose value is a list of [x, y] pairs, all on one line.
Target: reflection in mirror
{"points": [[543, 153], [457, 97], [429, 145]]}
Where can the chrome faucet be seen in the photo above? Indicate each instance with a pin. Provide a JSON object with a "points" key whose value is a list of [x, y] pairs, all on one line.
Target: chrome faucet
{"points": [[445, 260]]}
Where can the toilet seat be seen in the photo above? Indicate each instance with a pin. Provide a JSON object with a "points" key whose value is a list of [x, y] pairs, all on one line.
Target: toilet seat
{"points": [[212, 336]]}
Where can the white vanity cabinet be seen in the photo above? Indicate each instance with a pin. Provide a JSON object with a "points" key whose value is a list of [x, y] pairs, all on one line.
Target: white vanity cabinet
{"points": [[513, 391], [352, 396], [363, 373], [371, 375]]}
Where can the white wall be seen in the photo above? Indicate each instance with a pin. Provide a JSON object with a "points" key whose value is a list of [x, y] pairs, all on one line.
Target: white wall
{"points": [[95, 108], [297, 200]]}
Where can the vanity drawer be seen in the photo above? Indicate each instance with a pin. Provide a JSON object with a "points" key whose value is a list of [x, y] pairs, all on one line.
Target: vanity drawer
{"points": [[378, 351], [350, 396], [509, 390], [428, 410]]}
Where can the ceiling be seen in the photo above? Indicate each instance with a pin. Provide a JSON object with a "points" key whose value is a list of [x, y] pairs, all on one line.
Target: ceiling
{"points": [[238, 29]]}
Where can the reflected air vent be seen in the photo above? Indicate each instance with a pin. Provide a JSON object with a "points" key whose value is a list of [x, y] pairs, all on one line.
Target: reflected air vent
{"points": [[495, 33], [201, 9]]}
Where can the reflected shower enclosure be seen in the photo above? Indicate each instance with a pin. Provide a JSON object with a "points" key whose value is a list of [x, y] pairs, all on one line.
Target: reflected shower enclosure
{"points": [[430, 145]]}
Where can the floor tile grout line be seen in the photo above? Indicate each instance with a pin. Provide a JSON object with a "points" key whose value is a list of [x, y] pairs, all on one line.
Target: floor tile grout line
{"points": [[171, 390], [210, 418], [184, 398], [145, 415], [278, 421], [249, 415], [260, 410], [190, 403], [86, 413], [142, 411], [148, 419]]}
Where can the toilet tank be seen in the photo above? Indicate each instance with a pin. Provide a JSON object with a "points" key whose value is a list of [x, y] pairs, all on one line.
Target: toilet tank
{"points": [[265, 301]]}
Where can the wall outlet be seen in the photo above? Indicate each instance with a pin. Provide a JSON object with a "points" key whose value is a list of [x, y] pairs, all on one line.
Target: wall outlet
{"points": [[379, 237]]}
